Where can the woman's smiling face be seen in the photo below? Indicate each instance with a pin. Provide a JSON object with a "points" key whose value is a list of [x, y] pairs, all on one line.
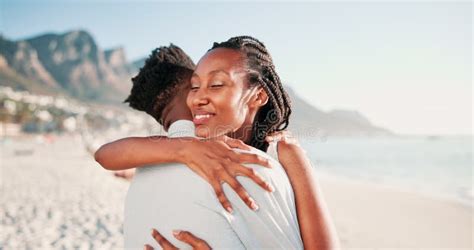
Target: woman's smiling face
{"points": [[219, 96]]}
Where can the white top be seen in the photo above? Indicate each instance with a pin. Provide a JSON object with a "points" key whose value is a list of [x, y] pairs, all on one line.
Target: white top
{"points": [[171, 196]]}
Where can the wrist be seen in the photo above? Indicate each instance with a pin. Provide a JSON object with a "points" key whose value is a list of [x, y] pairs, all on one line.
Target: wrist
{"points": [[184, 148]]}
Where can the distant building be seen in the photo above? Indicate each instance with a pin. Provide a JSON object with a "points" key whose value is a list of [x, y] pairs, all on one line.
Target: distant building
{"points": [[10, 129]]}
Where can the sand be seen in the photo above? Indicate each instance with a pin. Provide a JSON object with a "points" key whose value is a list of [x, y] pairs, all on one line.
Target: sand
{"points": [[54, 195], [57, 197], [370, 216]]}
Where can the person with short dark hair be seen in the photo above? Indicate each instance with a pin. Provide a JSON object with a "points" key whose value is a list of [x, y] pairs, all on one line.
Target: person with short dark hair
{"points": [[166, 73]]}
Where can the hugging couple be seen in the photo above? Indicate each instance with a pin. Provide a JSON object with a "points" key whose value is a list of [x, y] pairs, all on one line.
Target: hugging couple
{"points": [[228, 175]]}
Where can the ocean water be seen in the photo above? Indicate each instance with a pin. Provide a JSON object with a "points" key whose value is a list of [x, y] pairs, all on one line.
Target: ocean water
{"points": [[436, 166]]}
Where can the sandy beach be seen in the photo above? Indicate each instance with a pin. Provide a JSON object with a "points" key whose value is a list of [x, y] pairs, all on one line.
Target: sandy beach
{"points": [[54, 195], [370, 216]]}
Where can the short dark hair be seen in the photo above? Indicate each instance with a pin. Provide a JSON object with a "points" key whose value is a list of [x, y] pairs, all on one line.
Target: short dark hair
{"points": [[158, 81], [275, 115]]}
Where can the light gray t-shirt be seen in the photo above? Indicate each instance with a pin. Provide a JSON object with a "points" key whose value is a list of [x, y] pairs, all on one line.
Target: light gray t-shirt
{"points": [[171, 196]]}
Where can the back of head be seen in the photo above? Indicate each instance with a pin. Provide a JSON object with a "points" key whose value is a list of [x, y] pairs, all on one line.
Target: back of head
{"points": [[275, 115], [159, 79]]}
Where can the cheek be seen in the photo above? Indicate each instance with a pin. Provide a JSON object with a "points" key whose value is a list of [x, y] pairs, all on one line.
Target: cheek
{"points": [[233, 111], [189, 99]]}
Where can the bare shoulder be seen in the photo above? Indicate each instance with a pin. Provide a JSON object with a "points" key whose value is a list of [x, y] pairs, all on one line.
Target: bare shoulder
{"points": [[290, 149], [289, 146], [293, 157]]}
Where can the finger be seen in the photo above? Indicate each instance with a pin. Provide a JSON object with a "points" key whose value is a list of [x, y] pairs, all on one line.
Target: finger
{"points": [[250, 158], [124, 174], [291, 139], [235, 143], [148, 247], [257, 178], [119, 174], [190, 239], [221, 196], [271, 138], [162, 241], [276, 136], [243, 194], [280, 135]]}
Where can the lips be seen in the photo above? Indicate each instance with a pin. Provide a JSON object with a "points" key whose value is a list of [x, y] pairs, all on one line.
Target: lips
{"points": [[202, 117]]}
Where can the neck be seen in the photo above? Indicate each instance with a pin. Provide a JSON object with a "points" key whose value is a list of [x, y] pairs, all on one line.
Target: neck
{"points": [[244, 133]]}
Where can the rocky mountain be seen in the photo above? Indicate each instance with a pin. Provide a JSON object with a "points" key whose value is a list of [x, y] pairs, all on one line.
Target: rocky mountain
{"points": [[69, 63], [309, 121], [117, 61], [74, 65], [19, 62]]}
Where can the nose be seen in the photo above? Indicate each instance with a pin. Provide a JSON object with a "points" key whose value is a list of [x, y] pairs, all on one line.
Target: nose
{"points": [[200, 97]]}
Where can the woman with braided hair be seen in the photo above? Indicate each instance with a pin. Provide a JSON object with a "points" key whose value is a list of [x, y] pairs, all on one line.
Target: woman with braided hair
{"points": [[274, 115], [236, 93]]}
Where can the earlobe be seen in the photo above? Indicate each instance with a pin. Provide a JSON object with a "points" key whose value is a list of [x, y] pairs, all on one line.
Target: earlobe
{"points": [[262, 97]]}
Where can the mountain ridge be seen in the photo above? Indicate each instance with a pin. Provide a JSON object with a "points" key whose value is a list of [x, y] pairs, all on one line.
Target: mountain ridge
{"points": [[73, 64]]}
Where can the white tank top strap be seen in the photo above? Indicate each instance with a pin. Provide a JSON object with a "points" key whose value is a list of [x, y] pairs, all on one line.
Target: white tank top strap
{"points": [[272, 150]]}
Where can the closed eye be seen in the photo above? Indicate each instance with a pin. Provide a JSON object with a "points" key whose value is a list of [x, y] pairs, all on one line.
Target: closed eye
{"points": [[217, 84]]}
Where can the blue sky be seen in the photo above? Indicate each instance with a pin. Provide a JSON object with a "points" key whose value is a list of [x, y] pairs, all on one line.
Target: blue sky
{"points": [[406, 66]]}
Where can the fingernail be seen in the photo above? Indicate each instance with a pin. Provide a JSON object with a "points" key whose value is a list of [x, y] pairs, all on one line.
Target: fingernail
{"points": [[176, 232], [272, 189], [152, 231], [254, 206], [229, 209], [146, 247]]}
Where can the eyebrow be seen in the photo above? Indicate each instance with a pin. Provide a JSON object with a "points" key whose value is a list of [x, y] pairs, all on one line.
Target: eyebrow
{"points": [[218, 71], [213, 73]]}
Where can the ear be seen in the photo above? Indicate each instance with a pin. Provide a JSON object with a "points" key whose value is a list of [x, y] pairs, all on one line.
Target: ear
{"points": [[260, 98]]}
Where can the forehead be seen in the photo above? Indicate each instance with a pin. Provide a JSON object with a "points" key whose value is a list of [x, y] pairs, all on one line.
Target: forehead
{"points": [[219, 59]]}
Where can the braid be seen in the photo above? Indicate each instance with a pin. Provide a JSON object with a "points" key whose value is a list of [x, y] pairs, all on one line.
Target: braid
{"points": [[273, 116]]}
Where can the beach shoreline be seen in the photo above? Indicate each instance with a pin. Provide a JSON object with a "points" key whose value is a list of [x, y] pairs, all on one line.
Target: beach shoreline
{"points": [[324, 176]]}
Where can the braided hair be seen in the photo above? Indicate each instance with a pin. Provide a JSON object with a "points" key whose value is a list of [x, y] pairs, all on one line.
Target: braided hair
{"points": [[158, 81], [275, 114]]}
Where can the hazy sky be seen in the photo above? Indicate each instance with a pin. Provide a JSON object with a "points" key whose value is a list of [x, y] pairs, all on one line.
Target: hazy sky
{"points": [[406, 66]]}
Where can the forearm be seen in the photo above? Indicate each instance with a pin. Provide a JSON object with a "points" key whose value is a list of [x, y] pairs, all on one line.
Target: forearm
{"points": [[315, 222], [316, 227], [135, 152]]}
